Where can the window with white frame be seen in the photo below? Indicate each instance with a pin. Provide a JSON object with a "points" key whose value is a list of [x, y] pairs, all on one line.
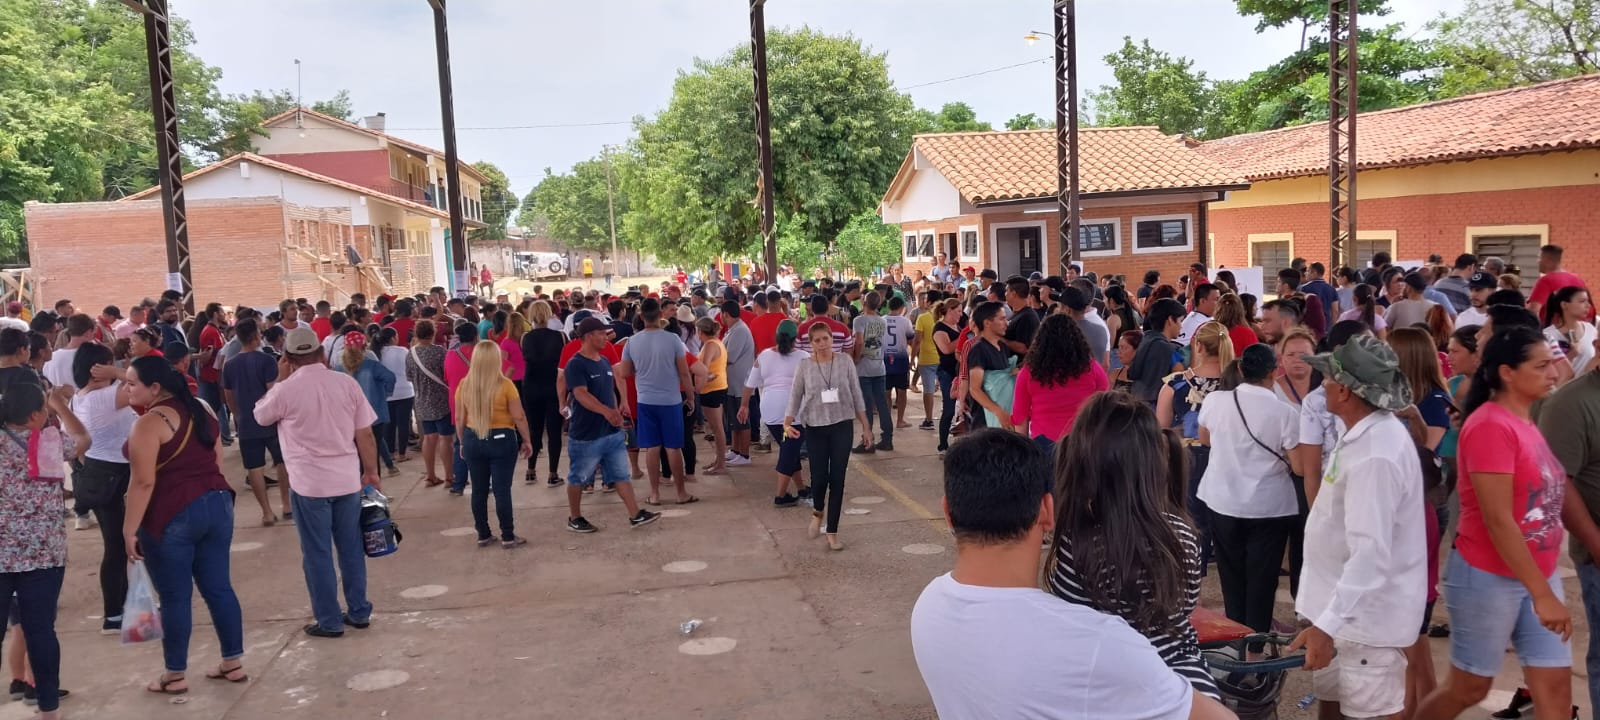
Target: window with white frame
{"points": [[911, 246], [1099, 238], [926, 249], [1163, 233], [1365, 249], [970, 248]]}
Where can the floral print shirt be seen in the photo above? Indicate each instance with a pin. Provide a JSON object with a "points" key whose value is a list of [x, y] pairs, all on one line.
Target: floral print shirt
{"points": [[32, 534]]}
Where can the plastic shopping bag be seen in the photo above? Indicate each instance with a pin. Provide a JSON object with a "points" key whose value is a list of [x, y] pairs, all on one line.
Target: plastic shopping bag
{"points": [[141, 619]]}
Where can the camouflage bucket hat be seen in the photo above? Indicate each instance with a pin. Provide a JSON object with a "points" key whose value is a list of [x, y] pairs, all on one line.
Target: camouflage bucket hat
{"points": [[1369, 368]]}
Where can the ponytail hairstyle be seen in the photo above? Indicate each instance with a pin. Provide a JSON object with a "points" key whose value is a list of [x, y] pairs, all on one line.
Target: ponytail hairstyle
{"points": [[1363, 294], [1212, 337], [382, 339], [153, 370], [1509, 347]]}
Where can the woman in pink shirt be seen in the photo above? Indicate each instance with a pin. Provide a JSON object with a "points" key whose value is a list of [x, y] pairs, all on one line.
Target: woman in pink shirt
{"points": [[1057, 377]]}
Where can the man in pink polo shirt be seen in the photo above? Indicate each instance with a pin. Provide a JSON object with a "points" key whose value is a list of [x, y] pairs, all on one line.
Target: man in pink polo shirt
{"points": [[325, 428]]}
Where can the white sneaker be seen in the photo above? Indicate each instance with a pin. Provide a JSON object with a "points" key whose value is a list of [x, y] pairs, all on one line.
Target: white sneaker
{"points": [[737, 460], [731, 455], [84, 522]]}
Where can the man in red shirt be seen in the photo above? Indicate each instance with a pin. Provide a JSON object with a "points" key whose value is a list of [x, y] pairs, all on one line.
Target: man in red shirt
{"points": [[322, 324], [404, 323], [764, 323], [1551, 279], [843, 339], [211, 343]]}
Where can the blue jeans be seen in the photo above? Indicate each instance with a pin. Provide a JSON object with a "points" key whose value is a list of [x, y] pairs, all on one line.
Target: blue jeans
{"points": [[947, 414], [458, 466], [492, 461], [212, 393], [875, 391], [609, 453], [329, 526], [37, 592], [193, 551], [380, 437], [1589, 582]]}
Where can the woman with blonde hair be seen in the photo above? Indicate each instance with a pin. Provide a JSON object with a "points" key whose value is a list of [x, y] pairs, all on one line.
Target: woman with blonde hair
{"points": [[492, 431], [376, 382], [516, 325], [1178, 406]]}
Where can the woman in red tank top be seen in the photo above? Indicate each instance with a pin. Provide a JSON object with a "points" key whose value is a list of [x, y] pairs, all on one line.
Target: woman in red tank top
{"points": [[180, 519]]}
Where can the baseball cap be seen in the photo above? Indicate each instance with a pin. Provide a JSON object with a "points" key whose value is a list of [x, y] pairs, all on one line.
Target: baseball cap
{"points": [[1035, 276], [1369, 368], [1483, 280], [788, 329], [301, 341], [591, 324]]}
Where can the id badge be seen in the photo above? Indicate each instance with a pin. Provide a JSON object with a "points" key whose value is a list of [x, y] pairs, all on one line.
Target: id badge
{"points": [[830, 395]]}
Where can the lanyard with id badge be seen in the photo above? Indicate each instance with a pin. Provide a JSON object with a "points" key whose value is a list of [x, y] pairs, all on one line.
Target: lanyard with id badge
{"points": [[830, 394]]}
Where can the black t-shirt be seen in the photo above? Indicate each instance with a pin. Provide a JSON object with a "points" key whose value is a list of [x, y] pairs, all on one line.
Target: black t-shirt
{"points": [[595, 375], [541, 358], [19, 374], [621, 330], [1145, 290], [947, 360], [984, 355], [1022, 327]]}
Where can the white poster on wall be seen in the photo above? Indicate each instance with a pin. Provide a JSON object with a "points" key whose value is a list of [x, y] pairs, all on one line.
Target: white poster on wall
{"points": [[1251, 280]]}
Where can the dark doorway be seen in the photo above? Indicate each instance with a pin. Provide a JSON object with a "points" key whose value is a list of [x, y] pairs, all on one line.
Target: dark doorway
{"points": [[1029, 251]]}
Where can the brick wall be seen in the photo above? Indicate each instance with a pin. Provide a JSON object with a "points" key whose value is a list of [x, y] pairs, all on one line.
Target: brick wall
{"points": [[114, 253], [367, 168], [1126, 262], [1426, 224]]}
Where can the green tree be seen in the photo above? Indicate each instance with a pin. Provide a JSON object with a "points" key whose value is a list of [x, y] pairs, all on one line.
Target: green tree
{"points": [[953, 117], [1496, 44], [866, 245], [498, 200], [573, 205], [797, 249], [1153, 88], [839, 132], [1027, 121], [241, 116]]}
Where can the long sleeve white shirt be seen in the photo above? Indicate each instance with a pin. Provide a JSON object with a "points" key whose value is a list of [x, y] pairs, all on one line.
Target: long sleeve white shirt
{"points": [[1365, 575]]}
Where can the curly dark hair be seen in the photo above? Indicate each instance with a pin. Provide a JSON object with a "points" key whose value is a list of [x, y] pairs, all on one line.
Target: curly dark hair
{"points": [[1059, 352]]}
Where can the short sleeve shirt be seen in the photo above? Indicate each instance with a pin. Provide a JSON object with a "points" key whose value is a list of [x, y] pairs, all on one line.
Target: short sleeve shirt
{"points": [[247, 376], [871, 328], [595, 375], [1022, 326], [1494, 441], [654, 355], [32, 536]]}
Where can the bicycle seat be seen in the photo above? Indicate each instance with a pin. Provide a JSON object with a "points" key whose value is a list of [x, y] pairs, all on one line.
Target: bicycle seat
{"points": [[1215, 627]]}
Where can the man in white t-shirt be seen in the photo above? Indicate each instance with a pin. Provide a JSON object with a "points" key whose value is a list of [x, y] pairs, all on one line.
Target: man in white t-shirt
{"points": [[1479, 287], [1205, 305], [991, 644]]}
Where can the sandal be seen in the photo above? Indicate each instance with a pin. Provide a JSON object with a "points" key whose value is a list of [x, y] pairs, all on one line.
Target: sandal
{"points": [[652, 500], [221, 674], [269, 521], [164, 685], [433, 481], [688, 500]]}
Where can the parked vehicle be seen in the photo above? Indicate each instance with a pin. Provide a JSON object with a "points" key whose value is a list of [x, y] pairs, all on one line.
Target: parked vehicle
{"points": [[538, 265]]}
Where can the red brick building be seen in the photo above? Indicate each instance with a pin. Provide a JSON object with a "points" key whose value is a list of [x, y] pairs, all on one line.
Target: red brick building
{"points": [[1498, 174], [987, 199]]}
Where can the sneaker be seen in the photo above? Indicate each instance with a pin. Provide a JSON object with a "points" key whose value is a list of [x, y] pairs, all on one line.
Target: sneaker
{"points": [[455, 492], [885, 446], [729, 455], [763, 447], [803, 493], [84, 522], [580, 525], [925, 425], [111, 626], [315, 630], [30, 696], [391, 471], [738, 461], [271, 481], [863, 450], [1519, 701], [554, 481], [357, 624], [608, 487], [645, 517], [18, 689], [785, 501]]}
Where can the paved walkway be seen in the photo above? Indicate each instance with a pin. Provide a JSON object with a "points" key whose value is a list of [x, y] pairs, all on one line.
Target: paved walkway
{"points": [[578, 625]]}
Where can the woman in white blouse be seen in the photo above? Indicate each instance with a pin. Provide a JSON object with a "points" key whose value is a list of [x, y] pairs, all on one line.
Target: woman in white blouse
{"points": [[1565, 325], [101, 481], [1248, 484]]}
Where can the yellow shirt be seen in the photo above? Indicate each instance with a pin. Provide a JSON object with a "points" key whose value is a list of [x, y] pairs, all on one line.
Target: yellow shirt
{"points": [[718, 369], [927, 351], [503, 400]]}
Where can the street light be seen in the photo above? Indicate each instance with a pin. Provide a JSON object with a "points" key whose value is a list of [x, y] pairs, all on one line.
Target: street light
{"points": [[1034, 35], [1066, 85]]}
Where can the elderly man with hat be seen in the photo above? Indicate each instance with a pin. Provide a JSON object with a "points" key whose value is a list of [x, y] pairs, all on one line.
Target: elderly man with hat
{"points": [[595, 437], [1364, 582], [325, 430]]}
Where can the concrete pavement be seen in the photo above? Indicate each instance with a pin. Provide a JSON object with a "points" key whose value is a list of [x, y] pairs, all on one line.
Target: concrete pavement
{"points": [[581, 625]]}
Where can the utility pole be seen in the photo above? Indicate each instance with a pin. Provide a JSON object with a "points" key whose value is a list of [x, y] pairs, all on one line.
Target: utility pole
{"points": [[1067, 201], [1342, 106], [169, 154], [611, 211], [452, 161], [764, 184]]}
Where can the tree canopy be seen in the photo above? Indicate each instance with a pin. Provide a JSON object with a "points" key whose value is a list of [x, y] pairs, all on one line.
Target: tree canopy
{"points": [[498, 200], [573, 208]]}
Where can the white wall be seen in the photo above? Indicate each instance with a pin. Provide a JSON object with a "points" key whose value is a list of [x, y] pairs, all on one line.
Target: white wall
{"points": [[230, 182], [321, 136], [927, 197]]}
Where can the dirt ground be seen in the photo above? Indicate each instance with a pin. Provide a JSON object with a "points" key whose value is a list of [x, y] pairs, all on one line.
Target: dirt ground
{"points": [[585, 625]]}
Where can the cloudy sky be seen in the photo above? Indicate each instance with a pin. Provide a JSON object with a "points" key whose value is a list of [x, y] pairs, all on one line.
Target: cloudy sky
{"points": [[594, 64]]}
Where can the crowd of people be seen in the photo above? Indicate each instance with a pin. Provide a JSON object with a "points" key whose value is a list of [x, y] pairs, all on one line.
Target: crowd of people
{"points": [[1324, 431], [1325, 439]]}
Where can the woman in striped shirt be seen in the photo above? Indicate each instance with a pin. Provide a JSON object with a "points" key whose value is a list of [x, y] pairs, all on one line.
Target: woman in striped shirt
{"points": [[1120, 489]]}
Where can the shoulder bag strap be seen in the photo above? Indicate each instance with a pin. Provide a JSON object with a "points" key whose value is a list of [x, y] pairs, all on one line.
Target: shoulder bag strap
{"points": [[424, 368], [1252, 434]]}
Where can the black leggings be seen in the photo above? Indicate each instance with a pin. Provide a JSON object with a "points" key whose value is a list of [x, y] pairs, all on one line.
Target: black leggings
{"points": [[829, 448], [114, 561], [544, 419]]}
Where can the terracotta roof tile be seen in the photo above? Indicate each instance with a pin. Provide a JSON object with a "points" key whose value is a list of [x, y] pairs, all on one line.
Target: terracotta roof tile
{"points": [[1557, 115], [998, 166]]}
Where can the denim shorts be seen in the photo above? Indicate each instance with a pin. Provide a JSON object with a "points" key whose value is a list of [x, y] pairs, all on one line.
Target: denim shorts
{"points": [[442, 426], [930, 378], [608, 452], [660, 426], [1487, 611]]}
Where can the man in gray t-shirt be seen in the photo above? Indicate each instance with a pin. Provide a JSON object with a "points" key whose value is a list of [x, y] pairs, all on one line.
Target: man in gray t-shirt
{"points": [[656, 360], [1099, 336], [869, 329], [741, 348]]}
